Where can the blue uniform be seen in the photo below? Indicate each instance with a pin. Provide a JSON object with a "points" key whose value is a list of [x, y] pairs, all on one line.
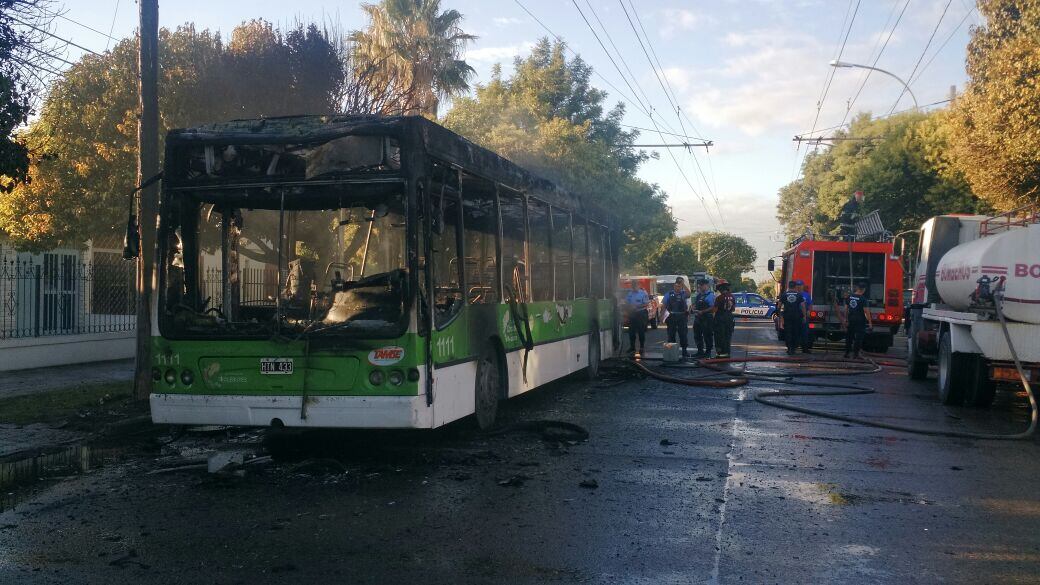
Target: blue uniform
{"points": [[806, 340], [637, 301], [704, 324], [675, 302]]}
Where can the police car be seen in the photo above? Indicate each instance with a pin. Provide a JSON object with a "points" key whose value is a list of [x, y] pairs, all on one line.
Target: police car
{"points": [[753, 305]]}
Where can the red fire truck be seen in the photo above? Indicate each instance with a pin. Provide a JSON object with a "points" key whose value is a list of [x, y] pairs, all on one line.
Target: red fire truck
{"points": [[830, 266]]}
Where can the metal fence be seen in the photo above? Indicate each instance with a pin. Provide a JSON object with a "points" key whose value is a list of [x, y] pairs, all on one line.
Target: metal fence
{"points": [[59, 295]]}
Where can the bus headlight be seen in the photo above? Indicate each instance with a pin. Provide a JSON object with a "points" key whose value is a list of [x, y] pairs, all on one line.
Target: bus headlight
{"points": [[375, 377], [156, 374], [187, 377], [396, 377], [170, 377], [413, 374]]}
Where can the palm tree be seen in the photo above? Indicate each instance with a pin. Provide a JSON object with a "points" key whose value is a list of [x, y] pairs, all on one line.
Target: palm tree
{"points": [[418, 48]]}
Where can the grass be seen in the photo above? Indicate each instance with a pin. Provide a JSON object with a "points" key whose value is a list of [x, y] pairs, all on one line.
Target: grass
{"points": [[65, 403]]}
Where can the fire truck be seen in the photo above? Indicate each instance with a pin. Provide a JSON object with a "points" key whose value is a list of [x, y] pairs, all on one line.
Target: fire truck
{"points": [[830, 265]]}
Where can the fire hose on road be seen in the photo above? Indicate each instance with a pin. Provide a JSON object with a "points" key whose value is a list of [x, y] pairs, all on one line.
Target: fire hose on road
{"points": [[742, 377]]}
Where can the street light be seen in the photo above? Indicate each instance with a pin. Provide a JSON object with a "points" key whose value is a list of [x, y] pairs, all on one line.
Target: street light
{"points": [[836, 63]]}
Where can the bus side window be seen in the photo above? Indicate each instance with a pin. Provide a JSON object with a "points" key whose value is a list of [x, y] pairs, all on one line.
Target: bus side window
{"points": [[479, 230], [581, 259], [596, 260], [447, 290], [562, 255], [514, 235], [540, 250]]}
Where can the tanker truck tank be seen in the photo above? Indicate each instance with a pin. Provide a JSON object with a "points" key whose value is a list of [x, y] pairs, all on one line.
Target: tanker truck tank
{"points": [[1008, 262]]}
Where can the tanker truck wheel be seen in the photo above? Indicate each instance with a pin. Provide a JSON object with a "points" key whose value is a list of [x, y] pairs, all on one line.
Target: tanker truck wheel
{"points": [[955, 373], [916, 368], [982, 390]]}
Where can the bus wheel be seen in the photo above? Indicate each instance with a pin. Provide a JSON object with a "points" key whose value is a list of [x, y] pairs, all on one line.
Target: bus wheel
{"points": [[488, 387], [592, 372], [955, 373]]}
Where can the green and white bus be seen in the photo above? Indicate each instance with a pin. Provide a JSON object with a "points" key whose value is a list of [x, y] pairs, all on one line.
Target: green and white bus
{"points": [[367, 272]]}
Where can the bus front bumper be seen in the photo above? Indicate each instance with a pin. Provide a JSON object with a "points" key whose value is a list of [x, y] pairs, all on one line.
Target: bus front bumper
{"points": [[373, 412]]}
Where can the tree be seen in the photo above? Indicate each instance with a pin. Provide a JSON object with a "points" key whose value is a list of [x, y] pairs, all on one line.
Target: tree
{"points": [[84, 143], [24, 65], [674, 256], [549, 119], [418, 49], [995, 123], [747, 284], [723, 255], [900, 164]]}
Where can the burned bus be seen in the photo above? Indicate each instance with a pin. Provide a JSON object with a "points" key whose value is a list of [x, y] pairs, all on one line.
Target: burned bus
{"points": [[376, 272]]}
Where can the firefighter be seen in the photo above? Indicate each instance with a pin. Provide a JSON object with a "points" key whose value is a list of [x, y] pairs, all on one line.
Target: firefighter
{"points": [[636, 302], [850, 214], [724, 306], [676, 303], [703, 319], [807, 340], [792, 315], [856, 319]]}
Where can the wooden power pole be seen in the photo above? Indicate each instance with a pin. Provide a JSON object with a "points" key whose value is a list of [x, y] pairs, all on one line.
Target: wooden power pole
{"points": [[148, 210]]}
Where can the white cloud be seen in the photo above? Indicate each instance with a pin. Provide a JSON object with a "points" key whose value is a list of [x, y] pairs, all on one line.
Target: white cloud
{"points": [[504, 21], [771, 80], [498, 54], [681, 19]]}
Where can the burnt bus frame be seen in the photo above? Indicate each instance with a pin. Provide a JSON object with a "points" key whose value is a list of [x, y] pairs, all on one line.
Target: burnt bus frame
{"points": [[421, 142]]}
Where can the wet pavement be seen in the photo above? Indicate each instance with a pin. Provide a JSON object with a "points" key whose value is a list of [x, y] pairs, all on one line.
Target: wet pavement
{"points": [[674, 485]]}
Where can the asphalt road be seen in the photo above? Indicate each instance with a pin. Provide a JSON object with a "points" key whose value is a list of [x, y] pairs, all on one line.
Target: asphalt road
{"points": [[692, 485]]}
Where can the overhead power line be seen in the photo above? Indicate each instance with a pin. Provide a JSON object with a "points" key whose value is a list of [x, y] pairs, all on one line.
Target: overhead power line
{"points": [[687, 145], [828, 129], [652, 120], [876, 59], [921, 58], [52, 35], [943, 45]]}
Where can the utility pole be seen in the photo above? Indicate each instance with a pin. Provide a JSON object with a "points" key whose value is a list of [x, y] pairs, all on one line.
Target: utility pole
{"points": [[698, 249], [148, 209]]}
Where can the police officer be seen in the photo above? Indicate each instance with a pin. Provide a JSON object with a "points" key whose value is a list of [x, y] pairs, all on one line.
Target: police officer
{"points": [[703, 319], [792, 315], [725, 304], [856, 319], [807, 340], [636, 302], [675, 301]]}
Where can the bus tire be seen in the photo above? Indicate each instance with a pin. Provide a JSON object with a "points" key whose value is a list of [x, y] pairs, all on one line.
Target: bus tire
{"points": [[982, 390], [489, 387], [955, 373], [595, 355]]}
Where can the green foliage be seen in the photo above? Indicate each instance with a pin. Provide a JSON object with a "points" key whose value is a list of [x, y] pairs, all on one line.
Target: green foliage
{"points": [[901, 166], [417, 48], [84, 143], [994, 127], [722, 255], [673, 256], [549, 119], [747, 284], [17, 89]]}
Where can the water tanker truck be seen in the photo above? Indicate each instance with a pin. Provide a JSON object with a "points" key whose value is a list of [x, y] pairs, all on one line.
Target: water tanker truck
{"points": [[970, 269]]}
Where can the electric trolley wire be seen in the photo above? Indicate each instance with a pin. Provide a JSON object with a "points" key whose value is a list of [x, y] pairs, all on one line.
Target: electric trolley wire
{"points": [[882, 117], [619, 54], [876, 59], [115, 13], [931, 38], [672, 103], [597, 73], [649, 115], [943, 45]]}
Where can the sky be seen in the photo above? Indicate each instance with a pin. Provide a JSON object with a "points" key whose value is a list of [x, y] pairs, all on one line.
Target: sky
{"points": [[745, 74]]}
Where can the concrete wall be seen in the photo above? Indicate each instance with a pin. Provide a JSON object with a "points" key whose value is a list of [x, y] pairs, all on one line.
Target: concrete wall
{"points": [[60, 350]]}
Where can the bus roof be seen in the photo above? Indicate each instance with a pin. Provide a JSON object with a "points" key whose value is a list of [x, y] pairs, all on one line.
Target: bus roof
{"points": [[437, 141]]}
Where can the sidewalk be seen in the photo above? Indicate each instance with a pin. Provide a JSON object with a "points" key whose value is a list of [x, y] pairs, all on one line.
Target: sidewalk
{"points": [[21, 382]]}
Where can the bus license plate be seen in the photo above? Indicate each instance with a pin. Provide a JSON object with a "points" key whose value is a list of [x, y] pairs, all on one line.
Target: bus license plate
{"points": [[276, 365]]}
